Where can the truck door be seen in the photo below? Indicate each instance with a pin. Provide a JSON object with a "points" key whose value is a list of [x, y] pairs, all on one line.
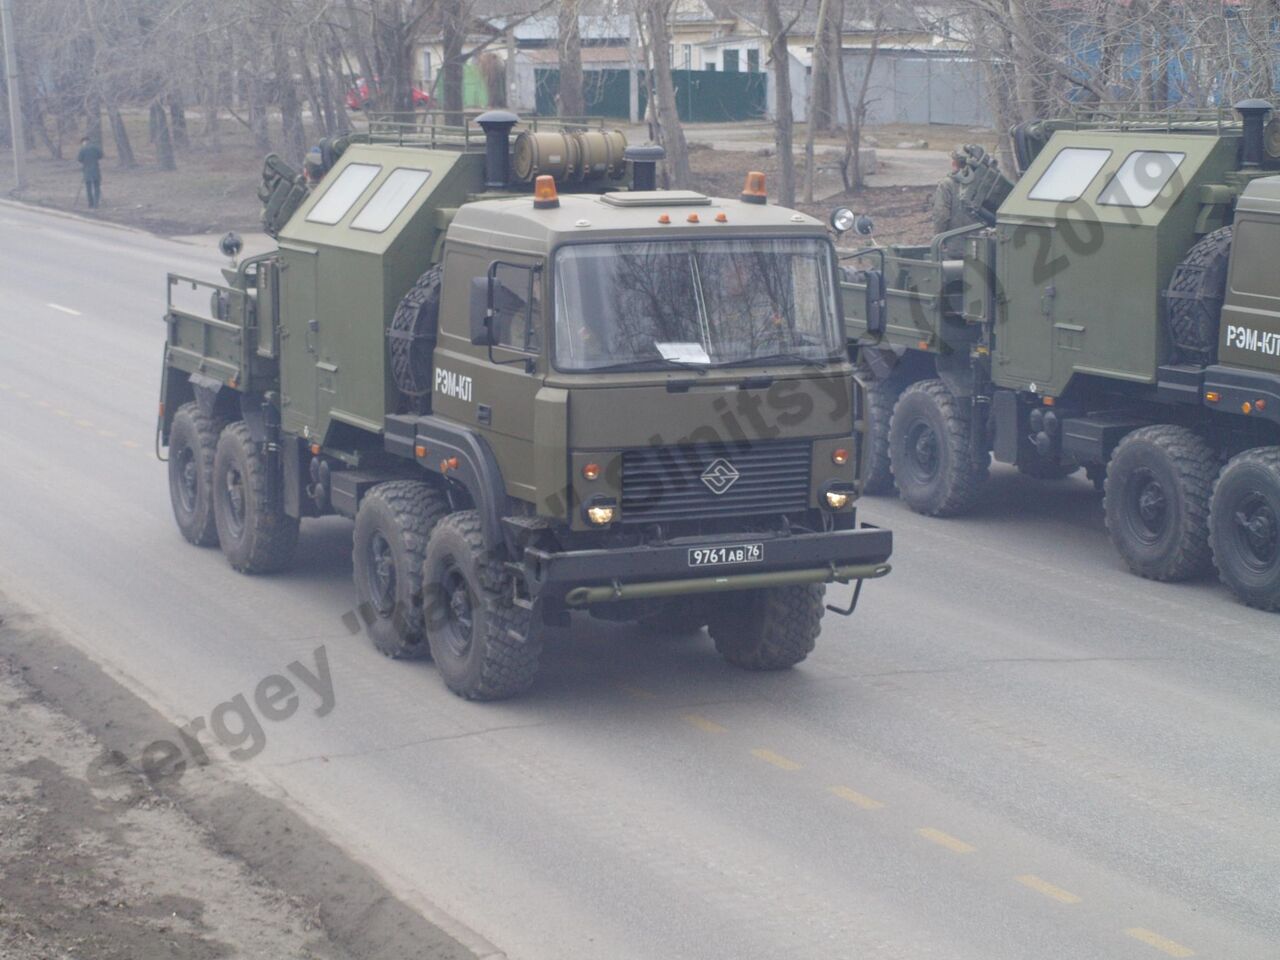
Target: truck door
{"points": [[1024, 305], [1249, 333], [299, 327]]}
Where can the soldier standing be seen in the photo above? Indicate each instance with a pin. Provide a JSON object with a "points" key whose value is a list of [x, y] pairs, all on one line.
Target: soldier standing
{"points": [[949, 212], [89, 158]]}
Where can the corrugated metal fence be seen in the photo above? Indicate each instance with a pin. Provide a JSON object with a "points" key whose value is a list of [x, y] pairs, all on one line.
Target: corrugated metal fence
{"points": [[915, 87]]}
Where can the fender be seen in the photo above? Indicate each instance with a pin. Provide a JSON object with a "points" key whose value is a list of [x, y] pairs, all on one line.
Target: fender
{"points": [[460, 455]]}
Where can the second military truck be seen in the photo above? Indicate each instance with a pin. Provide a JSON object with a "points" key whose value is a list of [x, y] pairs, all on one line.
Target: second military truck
{"points": [[1117, 308], [534, 390]]}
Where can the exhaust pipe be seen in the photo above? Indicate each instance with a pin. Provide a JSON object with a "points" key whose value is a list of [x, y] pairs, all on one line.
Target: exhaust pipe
{"points": [[644, 158], [1252, 113], [497, 125]]}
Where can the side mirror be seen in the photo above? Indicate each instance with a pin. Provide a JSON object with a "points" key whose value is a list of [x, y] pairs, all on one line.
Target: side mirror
{"points": [[481, 319], [863, 226], [877, 318]]}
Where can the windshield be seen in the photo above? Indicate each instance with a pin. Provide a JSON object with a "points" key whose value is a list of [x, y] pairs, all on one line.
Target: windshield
{"points": [[702, 303]]}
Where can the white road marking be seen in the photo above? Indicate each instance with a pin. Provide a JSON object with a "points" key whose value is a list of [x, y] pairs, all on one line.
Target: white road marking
{"points": [[58, 306]]}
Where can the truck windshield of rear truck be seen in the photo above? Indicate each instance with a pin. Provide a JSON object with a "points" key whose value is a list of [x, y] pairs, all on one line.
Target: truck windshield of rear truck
{"points": [[704, 303]]}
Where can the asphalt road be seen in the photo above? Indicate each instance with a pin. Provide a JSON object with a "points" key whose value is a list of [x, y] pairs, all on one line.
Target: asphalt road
{"points": [[1014, 749]]}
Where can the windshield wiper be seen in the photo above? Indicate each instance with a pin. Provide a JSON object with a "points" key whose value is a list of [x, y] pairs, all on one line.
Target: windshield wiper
{"points": [[774, 358]]}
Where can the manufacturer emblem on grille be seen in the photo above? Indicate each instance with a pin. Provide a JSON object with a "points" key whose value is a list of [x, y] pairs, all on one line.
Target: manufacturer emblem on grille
{"points": [[720, 476]]}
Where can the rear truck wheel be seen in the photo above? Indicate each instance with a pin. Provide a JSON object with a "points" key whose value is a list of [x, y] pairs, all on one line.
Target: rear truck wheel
{"points": [[1193, 299], [1156, 501], [877, 473], [1244, 527], [485, 645], [255, 533], [393, 525], [193, 438], [768, 629], [931, 451]]}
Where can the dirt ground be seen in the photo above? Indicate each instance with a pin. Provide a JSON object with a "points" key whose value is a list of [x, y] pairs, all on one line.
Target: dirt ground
{"points": [[215, 186], [88, 872]]}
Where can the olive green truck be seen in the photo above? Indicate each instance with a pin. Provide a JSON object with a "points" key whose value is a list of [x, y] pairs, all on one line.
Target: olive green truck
{"points": [[534, 390], [1117, 308]]}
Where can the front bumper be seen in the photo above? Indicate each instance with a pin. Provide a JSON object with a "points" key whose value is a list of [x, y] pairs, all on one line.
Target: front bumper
{"points": [[580, 577]]}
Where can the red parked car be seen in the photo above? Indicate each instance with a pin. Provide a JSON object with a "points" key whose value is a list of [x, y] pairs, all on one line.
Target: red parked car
{"points": [[358, 95]]}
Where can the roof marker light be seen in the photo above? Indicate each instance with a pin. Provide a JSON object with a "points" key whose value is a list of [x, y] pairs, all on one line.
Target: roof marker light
{"points": [[722, 217], [753, 191], [664, 218], [544, 193], [693, 218]]}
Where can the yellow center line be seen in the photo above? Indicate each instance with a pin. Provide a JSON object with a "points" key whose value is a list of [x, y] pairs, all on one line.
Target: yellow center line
{"points": [[84, 423], [1048, 889], [110, 434], [777, 759], [63, 413], [856, 798], [953, 844], [130, 443], [703, 724], [1163, 944], [43, 403]]}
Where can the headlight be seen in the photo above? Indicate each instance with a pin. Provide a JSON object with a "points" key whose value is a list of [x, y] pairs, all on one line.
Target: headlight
{"points": [[842, 219], [600, 512], [837, 499]]}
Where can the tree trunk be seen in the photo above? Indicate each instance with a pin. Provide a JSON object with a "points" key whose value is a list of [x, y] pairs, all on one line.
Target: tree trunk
{"points": [[780, 58], [453, 36], [293, 134], [178, 121], [120, 134], [670, 132], [162, 136], [259, 122], [572, 102], [856, 114], [819, 99]]}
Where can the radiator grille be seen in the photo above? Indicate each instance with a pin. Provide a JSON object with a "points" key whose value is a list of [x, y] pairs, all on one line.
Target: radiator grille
{"points": [[661, 484]]}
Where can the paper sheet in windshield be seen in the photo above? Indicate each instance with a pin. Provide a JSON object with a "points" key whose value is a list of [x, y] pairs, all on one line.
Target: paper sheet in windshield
{"points": [[683, 352]]}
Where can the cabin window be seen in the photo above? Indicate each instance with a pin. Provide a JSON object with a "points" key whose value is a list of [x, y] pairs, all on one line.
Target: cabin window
{"points": [[390, 199], [1141, 178], [1071, 171], [343, 193]]}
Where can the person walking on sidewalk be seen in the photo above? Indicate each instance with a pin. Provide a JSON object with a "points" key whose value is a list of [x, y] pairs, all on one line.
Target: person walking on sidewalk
{"points": [[90, 158]]}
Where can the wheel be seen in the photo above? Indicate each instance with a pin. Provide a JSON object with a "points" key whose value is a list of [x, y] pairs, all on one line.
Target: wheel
{"points": [[1156, 501], [1194, 297], [1244, 527], [393, 525], [769, 629], [485, 645], [193, 438], [877, 475], [680, 617], [255, 533], [931, 452]]}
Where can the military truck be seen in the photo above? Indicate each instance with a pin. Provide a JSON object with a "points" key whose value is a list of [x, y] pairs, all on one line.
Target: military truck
{"points": [[1117, 308], [535, 388]]}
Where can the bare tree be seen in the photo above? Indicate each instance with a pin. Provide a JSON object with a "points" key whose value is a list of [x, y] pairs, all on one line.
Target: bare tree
{"points": [[783, 116], [670, 132], [572, 101]]}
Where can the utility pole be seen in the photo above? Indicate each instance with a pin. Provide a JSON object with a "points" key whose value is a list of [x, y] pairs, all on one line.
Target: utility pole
{"points": [[15, 97]]}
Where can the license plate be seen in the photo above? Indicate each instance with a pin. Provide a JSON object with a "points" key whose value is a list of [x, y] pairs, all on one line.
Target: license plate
{"points": [[727, 554]]}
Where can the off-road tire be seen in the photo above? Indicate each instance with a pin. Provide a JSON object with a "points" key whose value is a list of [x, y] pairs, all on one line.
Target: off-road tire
{"points": [[1156, 501], [768, 629], [877, 472], [952, 484], [393, 525], [412, 335], [1193, 299], [498, 656], [193, 438], [1244, 527], [257, 536]]}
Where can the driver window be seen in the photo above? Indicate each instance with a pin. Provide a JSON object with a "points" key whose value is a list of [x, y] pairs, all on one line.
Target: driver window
{"points": [[517, 307]]}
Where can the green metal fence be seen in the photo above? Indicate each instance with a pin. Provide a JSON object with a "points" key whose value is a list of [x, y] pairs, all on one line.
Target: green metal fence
{"points": [[702, 96]]}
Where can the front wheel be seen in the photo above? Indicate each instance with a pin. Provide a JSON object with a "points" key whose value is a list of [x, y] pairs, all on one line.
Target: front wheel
{"points": [[931, 449], [1156, 501], [877, 472], [1244, 527], [256, 535], [485, 645], [768, 629]]}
